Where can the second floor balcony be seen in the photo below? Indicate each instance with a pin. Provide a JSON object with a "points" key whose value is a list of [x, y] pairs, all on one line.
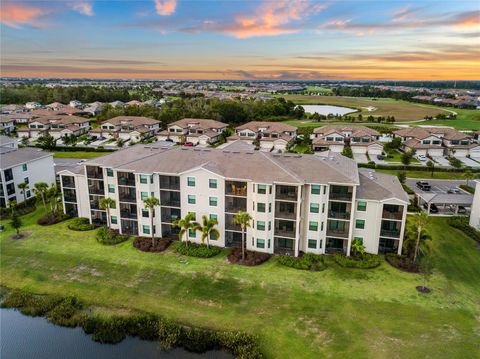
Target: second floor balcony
{"points": [[287, 193], [285, 228], [96, 187], [287, 210], [68, 182], [235, 204], [69, 195], [94, 172], [341, 193], [127, 195], [339, 210], [170, 198], [126, 179], [337, 228], [128, 211], [391, 211]]}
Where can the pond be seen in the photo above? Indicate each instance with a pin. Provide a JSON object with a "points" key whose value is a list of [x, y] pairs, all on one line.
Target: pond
{"points": [[327, 109], [27, 337]]}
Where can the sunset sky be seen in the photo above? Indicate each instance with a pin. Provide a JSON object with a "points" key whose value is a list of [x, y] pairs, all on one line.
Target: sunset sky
{"points": [[296, 39]]}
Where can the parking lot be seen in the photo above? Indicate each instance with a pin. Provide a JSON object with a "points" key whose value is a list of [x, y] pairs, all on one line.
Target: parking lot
{"points": [[438, 186]]}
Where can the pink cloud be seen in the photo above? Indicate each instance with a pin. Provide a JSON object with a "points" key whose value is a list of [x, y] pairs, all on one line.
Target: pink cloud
{"points": [[83, 7], [165, 7], [16, 14]]}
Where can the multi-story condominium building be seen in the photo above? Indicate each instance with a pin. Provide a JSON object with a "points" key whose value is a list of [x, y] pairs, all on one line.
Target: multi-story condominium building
{"points": [[361, 139], [194, 130], [475, 210], [438, 141], [23, 165], [268, 135], [299, 203], [127, 128], [56, 125]]}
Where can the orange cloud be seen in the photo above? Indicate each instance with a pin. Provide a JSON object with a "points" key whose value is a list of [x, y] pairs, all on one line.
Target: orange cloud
{"points": [[165, 7], [470, 20], [14, 15], [84, 8]]}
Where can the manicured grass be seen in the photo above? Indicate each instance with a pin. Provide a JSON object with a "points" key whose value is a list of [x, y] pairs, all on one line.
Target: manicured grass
{"points": [[301, 148], [426, 174], [78, 154], [338, 312], [395, 156]]}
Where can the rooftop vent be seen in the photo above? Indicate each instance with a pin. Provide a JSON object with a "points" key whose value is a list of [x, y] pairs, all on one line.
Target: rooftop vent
{"points": [[225, 151]]}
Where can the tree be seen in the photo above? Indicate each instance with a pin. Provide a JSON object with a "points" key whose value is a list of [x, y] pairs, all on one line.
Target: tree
{"points": [[208, 229], [150, 203], [402, 176], [243, 220], [186, 224], [406, 158], [107, 204], [468, 175], [420, 221], [23, 189], [46, 142], [16, 223], [24, 141], [358, 248], [298, 112], [54, 194], [40, 189], [347, 152], [70, 140], [431, 165]]}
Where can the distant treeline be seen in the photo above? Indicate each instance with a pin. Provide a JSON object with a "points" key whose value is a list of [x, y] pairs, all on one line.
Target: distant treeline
{"points": [[369, 91], [45, 95]]}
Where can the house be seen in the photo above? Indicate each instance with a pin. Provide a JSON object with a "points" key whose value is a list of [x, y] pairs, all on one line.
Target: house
{"points": [[55, 106], [75, 104], [127, 128], [475, 209], [268, 135], [56, 125], [361, 139], [194, 130], [7, 124], [299, 203], [438, 141], [20, 117], [94, 108], [24, 165], [117, 104], [9, 109], [32, 105]]}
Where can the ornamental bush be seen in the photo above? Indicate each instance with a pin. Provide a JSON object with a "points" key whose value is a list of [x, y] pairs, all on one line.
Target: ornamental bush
{"points": [[462, 224], [108, 236], [308, 261], [52, 218], [197, 250], [66, 313], [81, 224], [366, 261]]}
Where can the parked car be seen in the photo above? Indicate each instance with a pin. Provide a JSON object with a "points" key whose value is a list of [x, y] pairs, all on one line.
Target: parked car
{"points": [[424, 186], [454, 190], [422, 158], [380, 157], [462, 210], [433, 207], [169, 140], [188, 144]]}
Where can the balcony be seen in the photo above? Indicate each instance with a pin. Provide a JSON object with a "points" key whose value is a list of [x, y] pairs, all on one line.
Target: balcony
{"points": [[229, 223], [170, 215], [390, 233], [72, 199], [128, 211], [234, 188], [390, 229], [341, 193], [126, 179], [69, 195], [286, 193], [235, 204], [388, 245], [285, 210], [94, 204], [285, 228], [96, 187], [339, 215], [169, 199], [68, 182], [94, 172], [337, 228], [170, 183], [8, 175], [129, 227], [339, 210], [170, 231], [127, 195], [392, 212], [284, 246], [335, 245], [99, 218], [71, 209]]}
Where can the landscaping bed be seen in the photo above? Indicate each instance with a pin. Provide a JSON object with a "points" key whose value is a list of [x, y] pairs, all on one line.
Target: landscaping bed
{"points": [[251, 258], [146, 245], [51, 218], [401, 262], [108, 236], [308, 261], [81, 224], [366, 261], [197, 250]]}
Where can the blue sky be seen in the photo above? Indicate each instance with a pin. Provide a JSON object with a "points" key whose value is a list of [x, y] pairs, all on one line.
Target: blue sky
{"points": [[296, 39]]}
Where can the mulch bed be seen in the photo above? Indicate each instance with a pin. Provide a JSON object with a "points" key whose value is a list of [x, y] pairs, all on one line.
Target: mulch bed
{"points": [[50, 219], [422, 289], [22, 235], [403, 263], [251, 258], [146, 245]]}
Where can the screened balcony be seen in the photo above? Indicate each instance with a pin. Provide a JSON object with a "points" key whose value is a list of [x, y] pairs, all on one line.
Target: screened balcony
{"points": [[170, 215], [235, 188], [342, 193], [233, 239], [285, 228], [94, 172], [96, 187], [68, 182], [284, 246], [336, 245], [127, 194], [339, 210], [128, 210], [287, 210], [69, 195], [99, 217], [391, 211], [287, 193], [170, 182], [229, 223], [390, 228], [129, 227], [71, 209], [235, 204], [388, 245], [170, 198], [336, 228], [126, 179]]}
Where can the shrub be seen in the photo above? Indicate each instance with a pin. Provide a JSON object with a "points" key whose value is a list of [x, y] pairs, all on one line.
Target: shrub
{"points": [[469, 189], [251, 258], [364, 262], [146, 245], [108, 236], [30, 304], [197, 340], [52, 218], [21, 209], [146, 326], [169, 333], [197, 250], [401, 262], [108, 330], [462, 224], [81, 224], [308, 261], [407, 189], [66, 313]]}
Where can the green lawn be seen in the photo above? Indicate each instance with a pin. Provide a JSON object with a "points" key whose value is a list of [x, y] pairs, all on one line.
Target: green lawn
{"points": [[78, 154], [338, 313], [426, 174], [395, 156]]}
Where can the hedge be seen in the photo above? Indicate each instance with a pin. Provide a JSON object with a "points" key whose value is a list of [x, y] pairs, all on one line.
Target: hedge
{"points": [[197, 250], [462, 224], [21, 209], [469, 189], [80, 149], [366, 261], [308, 261], [81, 224], [69, 311], [52, 218], [413, 168]]}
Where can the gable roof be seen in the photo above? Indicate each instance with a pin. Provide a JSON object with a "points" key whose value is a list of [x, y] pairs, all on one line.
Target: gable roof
{"points": [[204, 123], [357, 131], [380, 186], [270, 126]]}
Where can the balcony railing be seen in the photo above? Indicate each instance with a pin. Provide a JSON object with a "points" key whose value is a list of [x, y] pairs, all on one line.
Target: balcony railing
{"points": [[170, 218], [339, 215], [128, 214], [392, 215], [232, 227], [337, 233], [96, 190], [236, 189], [287, 193], [390, 233], [126, 181], [285, 214], [346, 196], [170, 203], [127, 197], [284, 232]]}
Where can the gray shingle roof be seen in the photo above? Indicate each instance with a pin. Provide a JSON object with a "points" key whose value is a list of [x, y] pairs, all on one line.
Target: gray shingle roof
{"points": [[10, 157], [380, 186]]}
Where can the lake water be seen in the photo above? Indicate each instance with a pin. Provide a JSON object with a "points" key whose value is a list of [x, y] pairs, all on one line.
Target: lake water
{"points": [[25, 337], [327, 109]]}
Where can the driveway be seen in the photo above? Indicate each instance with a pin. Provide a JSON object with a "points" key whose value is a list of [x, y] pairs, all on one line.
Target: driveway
{"points": [[469, 162], [441, 161], [360, 157]]}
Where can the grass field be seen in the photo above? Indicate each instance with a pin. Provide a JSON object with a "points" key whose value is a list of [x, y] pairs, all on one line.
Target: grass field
{"points": [[78, 154], [396, 156], [426, 174], [337, 313]]}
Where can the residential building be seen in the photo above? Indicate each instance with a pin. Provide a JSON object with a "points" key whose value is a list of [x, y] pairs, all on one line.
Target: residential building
{"points": [[299, 203], [117, 104], [361, 139], [94, 108], [194, 130], [438, 141], [267, 135], [57, 126], [8, 142], [475, 209], [7, 124], [24, 165], [127, 128], [32, 105], [75, 103]]}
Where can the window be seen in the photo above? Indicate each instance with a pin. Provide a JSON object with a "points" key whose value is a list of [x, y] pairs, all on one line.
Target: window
{"points": [[359, 239], [191, 181], [109, 172], [111, 188], [191, 199], [314, 207], [192, 233], [212, 183], [261, 225], [146, 229], [435, 142], [361, 206], [29, 194], [269, 208], [24, 167], [262, 189], [26, 180], [260, 243], [143, 195], [269, 225], [261, 207], [360, 223], [313, 226], [212, 201], [113, 219], [145, 213], [312, 243], [143, 179], [315, 189], [324, 189], [151, 179]]}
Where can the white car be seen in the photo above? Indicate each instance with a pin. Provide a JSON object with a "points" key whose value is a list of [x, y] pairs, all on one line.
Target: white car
{"points": [[422, 158]]}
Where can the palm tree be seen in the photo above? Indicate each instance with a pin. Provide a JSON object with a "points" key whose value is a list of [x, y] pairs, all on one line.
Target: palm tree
{"points": [[24, 188], [40, 189], [106, 204], [420, 221], [468, 175], [243, 220], [208, 228], [150, 204], [185, 225], [358, 247], [54, 192]]}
